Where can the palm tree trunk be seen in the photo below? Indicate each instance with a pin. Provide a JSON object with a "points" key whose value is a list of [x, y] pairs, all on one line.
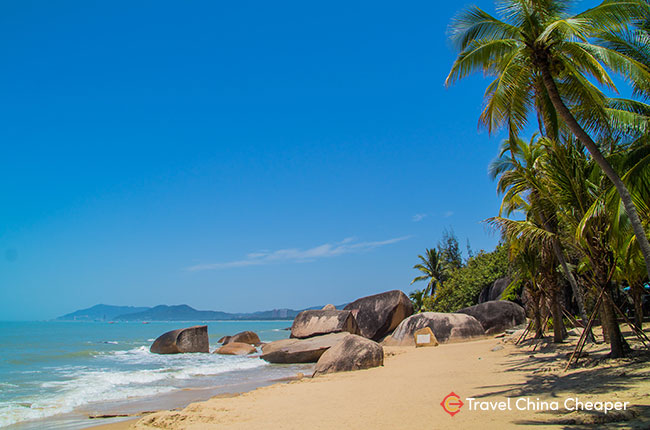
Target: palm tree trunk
{"points": [[572, 281], [539, 329], [558, 318], [557, 250], [617, 350], [637, 297], [598, 157]]}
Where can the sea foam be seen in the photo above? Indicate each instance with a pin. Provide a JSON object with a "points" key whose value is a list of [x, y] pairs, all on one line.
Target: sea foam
{"points": [[119, 375]]}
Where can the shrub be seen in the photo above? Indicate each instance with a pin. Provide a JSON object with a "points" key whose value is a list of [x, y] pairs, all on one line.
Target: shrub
{"points": [[464, 284]]}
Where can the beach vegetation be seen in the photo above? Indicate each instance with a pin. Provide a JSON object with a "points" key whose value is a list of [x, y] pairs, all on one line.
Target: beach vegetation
{"points": [[574, 214]]}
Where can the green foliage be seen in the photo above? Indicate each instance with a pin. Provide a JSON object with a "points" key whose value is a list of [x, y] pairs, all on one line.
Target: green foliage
{"points": [[449, 250], [514, 290], [464, 284], [433, 270], [417, 298]]}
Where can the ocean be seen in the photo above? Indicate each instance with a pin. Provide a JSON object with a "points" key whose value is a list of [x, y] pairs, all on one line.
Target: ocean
{"points": [[55, 374]]}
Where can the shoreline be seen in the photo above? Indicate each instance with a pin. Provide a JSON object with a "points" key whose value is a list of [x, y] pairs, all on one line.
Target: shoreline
{"points": [[407, 391], [115, 414]]}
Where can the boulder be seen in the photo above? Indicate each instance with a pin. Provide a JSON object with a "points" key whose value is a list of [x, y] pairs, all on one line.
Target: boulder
{"points": [[318, 322], [424, 337], [446, 328], [236, 348], [329, 307], [248, 337], [191, 339], [378, 315], [352, 353], [496, 316], [300, 350], [494, 290]]}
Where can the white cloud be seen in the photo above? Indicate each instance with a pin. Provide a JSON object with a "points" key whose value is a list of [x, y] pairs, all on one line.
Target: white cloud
{"points": [[448, 214], [294, 255], [418, 217]]}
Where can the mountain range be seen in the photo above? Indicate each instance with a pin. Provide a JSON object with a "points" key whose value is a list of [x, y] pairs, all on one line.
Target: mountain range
{"points": [[173, 313]]}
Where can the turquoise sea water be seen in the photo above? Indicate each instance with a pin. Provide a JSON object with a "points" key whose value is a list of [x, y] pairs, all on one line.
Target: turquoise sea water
{"points": [[52, 368]]}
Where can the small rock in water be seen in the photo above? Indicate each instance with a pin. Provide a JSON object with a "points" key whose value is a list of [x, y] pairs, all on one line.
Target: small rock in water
{"points": [[300, 375]]}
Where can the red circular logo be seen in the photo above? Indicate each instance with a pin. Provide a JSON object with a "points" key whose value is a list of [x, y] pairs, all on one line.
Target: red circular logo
{"points": [[452, 404]]}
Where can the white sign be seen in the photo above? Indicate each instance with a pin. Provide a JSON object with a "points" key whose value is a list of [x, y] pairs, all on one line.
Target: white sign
{"points": [[423, 338]]}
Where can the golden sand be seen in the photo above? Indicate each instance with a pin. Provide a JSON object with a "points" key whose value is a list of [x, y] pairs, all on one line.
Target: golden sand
{"points": [[407, 391]]}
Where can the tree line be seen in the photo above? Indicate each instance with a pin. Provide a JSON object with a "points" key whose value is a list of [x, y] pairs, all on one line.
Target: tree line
{"points": [[575, 211]]}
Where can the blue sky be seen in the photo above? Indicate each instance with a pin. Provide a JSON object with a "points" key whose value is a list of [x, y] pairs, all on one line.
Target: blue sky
{"points": [[235, 157]]}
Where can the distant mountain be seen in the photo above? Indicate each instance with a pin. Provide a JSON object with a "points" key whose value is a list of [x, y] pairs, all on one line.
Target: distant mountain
{"points": [[101, 313], [174, 313]]}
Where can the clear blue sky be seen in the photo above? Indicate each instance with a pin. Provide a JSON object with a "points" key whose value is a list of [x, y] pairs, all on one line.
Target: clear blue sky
{"points": [[232, 156]]}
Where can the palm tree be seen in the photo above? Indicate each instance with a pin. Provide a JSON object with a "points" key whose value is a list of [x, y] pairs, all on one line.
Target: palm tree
{"points": [[433, 271], [544, 58], [520, 182], [417, 298]]}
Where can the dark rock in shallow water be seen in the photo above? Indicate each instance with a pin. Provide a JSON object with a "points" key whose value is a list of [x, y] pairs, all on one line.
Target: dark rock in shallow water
{"points": [[318, 322], [300, 350], [248, 337], [378, 315], [496, 316], [352, 353], [191, 339], [446, 328], [236, 348]]}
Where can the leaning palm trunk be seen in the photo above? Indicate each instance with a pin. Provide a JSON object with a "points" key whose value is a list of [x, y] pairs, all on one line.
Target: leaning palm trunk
{"points": [[637, 297], [598, 157]]}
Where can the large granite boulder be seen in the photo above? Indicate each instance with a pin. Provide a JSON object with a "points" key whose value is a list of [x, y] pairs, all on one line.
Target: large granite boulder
{"points": [[248, 337], [378, 315], [191, 339], [494, 290], [352, 353], [318, 322], [329, 307], [300, 350], [446, 328], [496, 316], [236, 348]]}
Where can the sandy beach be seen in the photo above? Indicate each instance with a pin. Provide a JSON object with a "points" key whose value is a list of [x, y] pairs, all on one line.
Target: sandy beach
{"points": [[407, 391]]}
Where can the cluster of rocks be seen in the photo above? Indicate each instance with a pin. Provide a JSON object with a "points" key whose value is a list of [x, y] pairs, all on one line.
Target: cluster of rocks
{"points": [[352, 338], [342, 340], [195, 339]]}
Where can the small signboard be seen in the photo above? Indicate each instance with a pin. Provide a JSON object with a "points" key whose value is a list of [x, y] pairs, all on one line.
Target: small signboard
{"points": [[425, 337]]}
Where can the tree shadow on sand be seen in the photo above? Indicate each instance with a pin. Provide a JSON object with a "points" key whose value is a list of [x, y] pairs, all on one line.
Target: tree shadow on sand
{"points": [[595, 375]]}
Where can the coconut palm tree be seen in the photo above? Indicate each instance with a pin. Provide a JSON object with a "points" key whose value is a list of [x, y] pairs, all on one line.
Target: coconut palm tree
{"points": [[558, 182], [417, 299], [545, 59], [433, 271], [520, 182]]}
